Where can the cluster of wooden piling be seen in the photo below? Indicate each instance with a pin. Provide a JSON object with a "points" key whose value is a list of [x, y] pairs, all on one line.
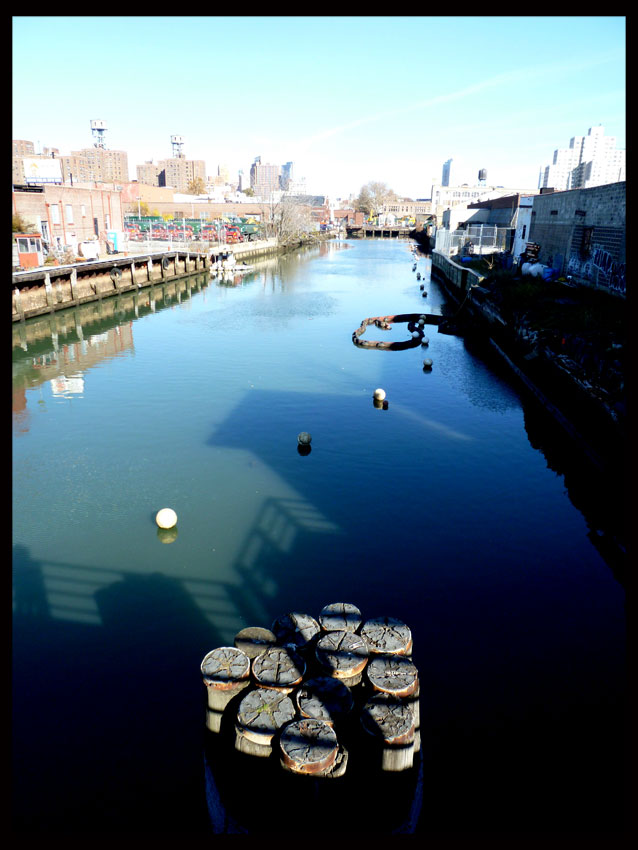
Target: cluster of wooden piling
{"points": [[318, 694], [385, 323]]}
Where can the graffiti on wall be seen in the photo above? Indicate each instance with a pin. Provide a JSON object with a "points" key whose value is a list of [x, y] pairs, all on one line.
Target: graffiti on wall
{"points": [[599, 268]]}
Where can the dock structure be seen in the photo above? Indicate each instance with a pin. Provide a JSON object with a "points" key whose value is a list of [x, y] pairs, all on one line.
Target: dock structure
{"points": [[51, 288], [323, 709]]}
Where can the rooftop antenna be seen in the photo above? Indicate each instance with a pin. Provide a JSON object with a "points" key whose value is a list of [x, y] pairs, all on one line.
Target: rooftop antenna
{"points": [[178, 143], [98, 129]]}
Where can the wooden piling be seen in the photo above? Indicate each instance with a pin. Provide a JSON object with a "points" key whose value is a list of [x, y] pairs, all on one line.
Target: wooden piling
{"points": [[278, 668], [387, 635], [391, 725], [343, 655], [253, 640], [260, 715], [324, 698], [296, 628], [339, 616], [226, 672]]}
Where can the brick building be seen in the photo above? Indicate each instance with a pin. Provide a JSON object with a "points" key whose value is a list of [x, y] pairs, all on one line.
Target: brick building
{"points": [[582, 232], [66, 215]]}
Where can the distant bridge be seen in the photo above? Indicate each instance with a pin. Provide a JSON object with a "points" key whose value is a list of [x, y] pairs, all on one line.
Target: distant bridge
{"points": [[373, 231]]}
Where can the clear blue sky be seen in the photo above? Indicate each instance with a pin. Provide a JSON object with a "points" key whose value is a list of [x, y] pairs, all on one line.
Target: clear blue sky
{"points": [[347, 99]]}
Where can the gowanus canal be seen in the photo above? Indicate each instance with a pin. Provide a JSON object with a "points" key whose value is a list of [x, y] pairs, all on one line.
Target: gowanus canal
{"points": [[460, 510]]}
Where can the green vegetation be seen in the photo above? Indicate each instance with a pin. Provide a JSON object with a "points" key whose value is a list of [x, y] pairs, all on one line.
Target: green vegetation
{"points": [[19, 225]]}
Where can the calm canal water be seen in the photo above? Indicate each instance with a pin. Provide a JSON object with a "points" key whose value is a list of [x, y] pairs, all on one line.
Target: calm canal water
{"points": [[442, 510]]}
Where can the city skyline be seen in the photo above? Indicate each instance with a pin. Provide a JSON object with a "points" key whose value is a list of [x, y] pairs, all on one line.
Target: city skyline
{"points": [[379, 98]]}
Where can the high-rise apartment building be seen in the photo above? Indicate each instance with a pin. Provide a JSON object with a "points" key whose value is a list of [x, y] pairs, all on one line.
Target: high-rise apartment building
{"points": [[105, 166], [590, 160], [264, 178]]}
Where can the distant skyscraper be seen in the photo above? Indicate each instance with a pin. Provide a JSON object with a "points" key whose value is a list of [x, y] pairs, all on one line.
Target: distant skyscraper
{"points": [[286, 176], [590, 160], [447, 173]]}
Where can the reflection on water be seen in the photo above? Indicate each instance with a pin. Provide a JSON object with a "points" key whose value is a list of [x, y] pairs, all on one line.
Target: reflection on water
{"points": [[447, 510]]}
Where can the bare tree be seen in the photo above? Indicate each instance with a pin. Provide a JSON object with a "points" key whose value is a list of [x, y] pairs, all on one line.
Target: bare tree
{"points": [[289, 220], [373, 196]]}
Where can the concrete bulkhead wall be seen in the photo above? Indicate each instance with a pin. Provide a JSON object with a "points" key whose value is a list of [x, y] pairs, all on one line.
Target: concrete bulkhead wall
{"points": [[587, 228]]}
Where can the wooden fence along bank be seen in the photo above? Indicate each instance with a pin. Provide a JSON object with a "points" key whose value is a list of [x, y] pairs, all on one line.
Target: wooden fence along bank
{"points": [[310, 721], [46, 290]]}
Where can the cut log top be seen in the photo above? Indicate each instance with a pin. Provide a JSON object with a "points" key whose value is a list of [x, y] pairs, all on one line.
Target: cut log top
{"points": [[296, 628], [342, 653], [324, 698], [278, 667], [265, 711], [388, 720], [225, 666], [387, 635], [340, 616], [253, 640], [394, 674], [308, 746]]}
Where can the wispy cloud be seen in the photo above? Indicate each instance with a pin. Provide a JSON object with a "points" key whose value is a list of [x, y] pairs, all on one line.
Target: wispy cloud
{"points": [[524, 75]]}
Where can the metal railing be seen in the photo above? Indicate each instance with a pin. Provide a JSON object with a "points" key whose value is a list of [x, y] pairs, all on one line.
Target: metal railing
{"points": [[475, 239]]}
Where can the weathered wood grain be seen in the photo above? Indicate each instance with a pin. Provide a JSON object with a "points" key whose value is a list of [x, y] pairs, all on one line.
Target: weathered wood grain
{"points": [[296, 628], [308, 746], [253, 640], [226, 672], [393, 674], [279, 667], [387, 635], [262, 713], [388, 719], [324, 698], [224, 667], [342, 654], [340, 616], [391, 723]]}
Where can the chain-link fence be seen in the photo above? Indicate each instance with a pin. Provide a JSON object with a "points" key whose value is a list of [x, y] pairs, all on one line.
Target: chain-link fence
{"points": [[475, 239]]}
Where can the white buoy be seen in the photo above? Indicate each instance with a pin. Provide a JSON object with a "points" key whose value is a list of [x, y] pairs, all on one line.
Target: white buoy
{"points": [[425, 342], [304, 439], [379, 394], [415, 335], [166, 518], [427, 363]]}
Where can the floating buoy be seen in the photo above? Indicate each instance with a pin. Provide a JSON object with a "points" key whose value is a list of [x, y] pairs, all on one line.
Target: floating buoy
{"points": [[421, 322], [166, 518], [422, 287], [379, 394], [425, 295], [427, 363], [304, 439], [425, 342], [416, 335], [418, 275]]}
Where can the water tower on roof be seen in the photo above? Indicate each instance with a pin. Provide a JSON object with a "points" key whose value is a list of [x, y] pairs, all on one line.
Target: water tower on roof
{"points": [[482, 177], [178, 143], [98, 129]]}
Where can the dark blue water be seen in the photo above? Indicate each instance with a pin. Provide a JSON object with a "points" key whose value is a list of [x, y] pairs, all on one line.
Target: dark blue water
{"points": [[451, 510]]}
